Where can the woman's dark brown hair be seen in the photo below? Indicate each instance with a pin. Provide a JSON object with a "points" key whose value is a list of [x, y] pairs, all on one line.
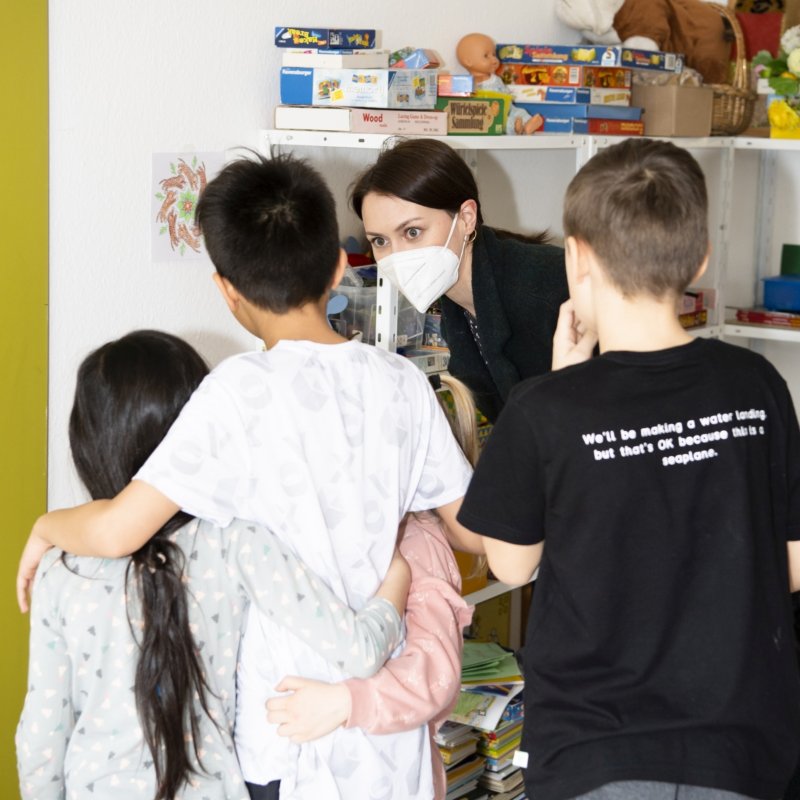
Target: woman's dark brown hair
{"points": [[429, 173]]}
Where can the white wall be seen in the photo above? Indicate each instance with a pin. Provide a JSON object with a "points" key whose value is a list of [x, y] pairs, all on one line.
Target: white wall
{"points": [[130, 79]]}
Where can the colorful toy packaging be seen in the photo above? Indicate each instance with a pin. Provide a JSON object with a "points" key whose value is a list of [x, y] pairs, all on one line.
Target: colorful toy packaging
{"points": [[565, 75], [475, 116], [362, 88], [413, 58], [590, 55], [326, 38], [455, 85], [569, 94]]}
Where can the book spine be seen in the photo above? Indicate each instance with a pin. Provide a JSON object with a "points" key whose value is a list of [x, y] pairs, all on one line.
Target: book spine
{"points": [[768, 318]]}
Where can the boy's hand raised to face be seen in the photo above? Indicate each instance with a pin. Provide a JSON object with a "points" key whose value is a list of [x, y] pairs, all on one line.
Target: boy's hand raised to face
{"points": [[573, 343]]}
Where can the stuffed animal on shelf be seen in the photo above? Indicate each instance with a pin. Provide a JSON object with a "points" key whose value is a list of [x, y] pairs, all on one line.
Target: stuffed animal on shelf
{"points": [[476, 52], [691, 27]]}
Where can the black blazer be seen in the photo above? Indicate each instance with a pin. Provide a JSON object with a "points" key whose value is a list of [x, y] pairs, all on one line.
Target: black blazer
{"points": [[517, 288]]}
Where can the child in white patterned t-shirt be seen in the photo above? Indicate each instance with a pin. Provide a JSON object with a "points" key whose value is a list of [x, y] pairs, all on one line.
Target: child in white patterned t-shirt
{"points": [[327, 442]]}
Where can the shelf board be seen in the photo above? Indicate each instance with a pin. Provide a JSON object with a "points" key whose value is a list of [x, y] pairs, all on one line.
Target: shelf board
{"points": [[374, 141], [757, 331], [706, 331], [764, 143], [556, 141], [491, 590]]}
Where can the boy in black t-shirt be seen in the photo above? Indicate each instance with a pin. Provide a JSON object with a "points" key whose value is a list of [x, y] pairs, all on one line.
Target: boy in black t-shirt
{"points": [[657, 487]]}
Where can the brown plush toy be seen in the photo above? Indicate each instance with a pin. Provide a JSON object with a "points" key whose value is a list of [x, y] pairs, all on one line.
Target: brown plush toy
{"points": [[691, 27]]}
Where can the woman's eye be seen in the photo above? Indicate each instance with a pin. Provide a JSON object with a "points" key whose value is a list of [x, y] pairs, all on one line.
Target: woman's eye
{"points": [[413, 233], [378, 242]]}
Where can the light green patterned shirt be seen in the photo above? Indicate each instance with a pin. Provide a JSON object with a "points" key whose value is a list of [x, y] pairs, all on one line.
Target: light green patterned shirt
{"points": [[79, 735]]}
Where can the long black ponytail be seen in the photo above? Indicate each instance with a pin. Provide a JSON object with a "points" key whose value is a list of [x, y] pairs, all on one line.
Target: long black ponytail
{"points": [[128, 393]]}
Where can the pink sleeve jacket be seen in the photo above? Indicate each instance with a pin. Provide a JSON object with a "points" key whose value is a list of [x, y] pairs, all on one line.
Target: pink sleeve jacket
{"points": [[422, 683]]}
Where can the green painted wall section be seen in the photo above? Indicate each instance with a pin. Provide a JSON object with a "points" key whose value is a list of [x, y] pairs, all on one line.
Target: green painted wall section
{"points": [[23, 333]]}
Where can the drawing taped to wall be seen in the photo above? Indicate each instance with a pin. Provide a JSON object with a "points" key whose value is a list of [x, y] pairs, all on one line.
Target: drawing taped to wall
{"points": [[178, 181]]}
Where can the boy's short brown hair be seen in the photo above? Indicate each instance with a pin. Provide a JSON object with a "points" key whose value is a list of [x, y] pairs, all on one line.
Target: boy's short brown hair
{"points": [[642, 206]]}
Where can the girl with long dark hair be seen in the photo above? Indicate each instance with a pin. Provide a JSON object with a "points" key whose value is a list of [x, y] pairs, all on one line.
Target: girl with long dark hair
{"points": [[132, 665]]}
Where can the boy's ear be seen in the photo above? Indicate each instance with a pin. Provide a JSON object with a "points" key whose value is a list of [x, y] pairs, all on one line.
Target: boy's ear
{"points": [[341, 266], [702, 268], [228, 291], [576, 254]]}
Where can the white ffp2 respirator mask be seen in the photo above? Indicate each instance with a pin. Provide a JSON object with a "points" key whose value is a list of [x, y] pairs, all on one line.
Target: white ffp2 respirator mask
{"points": [[423, 274]]}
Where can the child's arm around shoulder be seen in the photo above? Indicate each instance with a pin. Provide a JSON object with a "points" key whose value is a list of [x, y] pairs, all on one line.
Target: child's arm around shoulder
{"points": [[105, 528], [286, 591]]}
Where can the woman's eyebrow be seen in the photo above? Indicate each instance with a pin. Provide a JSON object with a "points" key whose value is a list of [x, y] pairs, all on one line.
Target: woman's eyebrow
{"points": [[399, 227]]}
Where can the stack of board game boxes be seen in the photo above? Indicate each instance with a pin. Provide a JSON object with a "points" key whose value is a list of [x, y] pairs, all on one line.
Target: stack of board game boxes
{"points": [[580, 89], [338, 80]]}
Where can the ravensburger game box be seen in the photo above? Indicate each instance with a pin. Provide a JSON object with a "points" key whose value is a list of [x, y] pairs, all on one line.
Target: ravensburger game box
{"points": [[362, 88]]}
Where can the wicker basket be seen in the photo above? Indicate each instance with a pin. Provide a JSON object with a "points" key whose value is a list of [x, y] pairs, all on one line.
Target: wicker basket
{"points": [[733, 104]]}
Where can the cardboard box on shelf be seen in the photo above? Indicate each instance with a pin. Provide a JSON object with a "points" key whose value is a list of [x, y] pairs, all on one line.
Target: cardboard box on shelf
{"points": [[673, 110], [362, 88], [326, 38], [590, 55], [414, 58], [455, 85], [566, 75], [523, 93], [475, 116], [327, 59], [362, 120]]}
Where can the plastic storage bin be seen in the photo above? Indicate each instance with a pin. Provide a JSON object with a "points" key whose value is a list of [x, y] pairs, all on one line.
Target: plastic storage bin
{"points": [[782, 293], [361, 312]]}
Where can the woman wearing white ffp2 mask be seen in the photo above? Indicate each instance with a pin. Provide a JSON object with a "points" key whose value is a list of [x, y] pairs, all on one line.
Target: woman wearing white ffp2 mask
{"points": [[424, 274], [500, 292]]}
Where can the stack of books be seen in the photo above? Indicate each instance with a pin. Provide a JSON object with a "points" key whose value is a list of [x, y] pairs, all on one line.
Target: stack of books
{"points": [[580, 89], [458, 746], [764, 316], [485, 728]]}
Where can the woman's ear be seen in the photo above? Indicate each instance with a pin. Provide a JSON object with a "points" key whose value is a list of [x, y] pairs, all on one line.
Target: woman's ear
{"points": [[469, 214]]}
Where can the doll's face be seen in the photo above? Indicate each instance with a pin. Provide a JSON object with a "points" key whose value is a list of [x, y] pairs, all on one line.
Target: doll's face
{"points": [[477, 53]]}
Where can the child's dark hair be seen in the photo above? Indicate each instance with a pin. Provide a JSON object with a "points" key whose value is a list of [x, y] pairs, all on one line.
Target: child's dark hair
{"points": [[128, 393], [429, 173], [641, 205], [270, 228]]}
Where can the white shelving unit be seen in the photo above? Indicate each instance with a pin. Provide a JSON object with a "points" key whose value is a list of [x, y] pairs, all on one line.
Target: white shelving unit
{"points": [[720, 155], [584, 147]]}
